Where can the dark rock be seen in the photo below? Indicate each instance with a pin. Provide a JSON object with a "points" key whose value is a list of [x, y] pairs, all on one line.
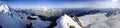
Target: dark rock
{"points": [[0, 26], [30, 18], [71, 26], [29, 25], [52, 25]]}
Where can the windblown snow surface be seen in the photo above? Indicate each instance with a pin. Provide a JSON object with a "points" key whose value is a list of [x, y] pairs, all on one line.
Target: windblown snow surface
{"points": [[100, 21], [9, 18]]}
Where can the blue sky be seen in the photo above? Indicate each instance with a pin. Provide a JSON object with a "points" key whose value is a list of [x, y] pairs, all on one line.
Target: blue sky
{"points": [[61, 3]]}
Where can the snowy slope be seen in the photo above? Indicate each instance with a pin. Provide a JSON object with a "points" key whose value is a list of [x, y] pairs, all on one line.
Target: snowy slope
{"points": [[101, 21], [4, 8], [12, 19], [9, 18], [65, 22], [88, 19]]}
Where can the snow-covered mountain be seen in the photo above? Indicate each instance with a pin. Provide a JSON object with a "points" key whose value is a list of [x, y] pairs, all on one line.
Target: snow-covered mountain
{"points": [[9, 18], [66, 22], [101, 21], [59, 18], [4, 8], [55, 13]]}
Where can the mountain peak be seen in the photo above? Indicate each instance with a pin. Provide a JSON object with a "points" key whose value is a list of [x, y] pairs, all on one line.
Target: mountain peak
{"points": [[66, 22], [4, 7]]}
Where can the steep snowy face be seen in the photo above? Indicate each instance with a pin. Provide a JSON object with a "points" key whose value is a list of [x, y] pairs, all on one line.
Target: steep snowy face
{"points": [[4, 8], [10, 18], [66, 22]]}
